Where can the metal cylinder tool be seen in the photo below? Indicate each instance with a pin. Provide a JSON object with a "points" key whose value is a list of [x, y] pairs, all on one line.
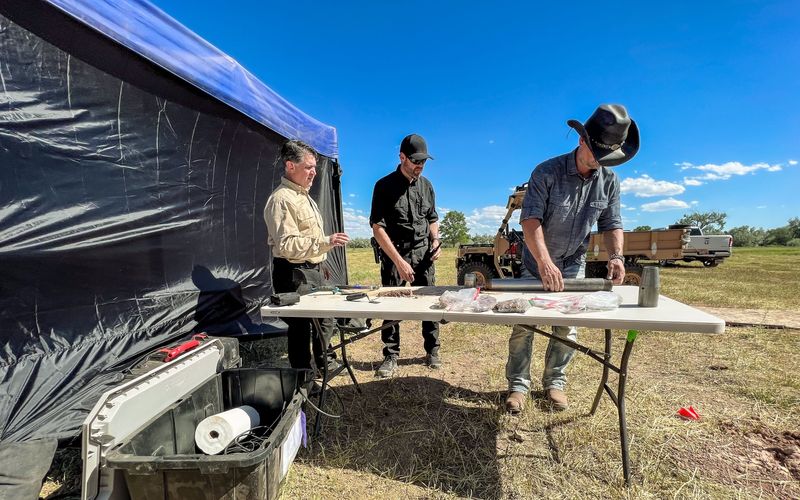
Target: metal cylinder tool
{"points": [[533, 285], [649, 287]]}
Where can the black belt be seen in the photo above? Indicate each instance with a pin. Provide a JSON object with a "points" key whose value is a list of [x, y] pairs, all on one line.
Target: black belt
{"points": [[302, 265], [406, 246]]}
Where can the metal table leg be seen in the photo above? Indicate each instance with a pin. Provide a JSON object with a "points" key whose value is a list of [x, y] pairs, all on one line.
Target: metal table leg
{"points": [[342, 345], [617, 398], [623, 427], [604, 378], [323, 389]]}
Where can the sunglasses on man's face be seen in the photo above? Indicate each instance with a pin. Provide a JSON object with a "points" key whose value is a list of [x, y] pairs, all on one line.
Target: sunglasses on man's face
{"points": [[417, 162]]}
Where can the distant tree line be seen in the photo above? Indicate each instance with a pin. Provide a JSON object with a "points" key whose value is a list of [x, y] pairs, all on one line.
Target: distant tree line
{"points": [[751, 236], [746, 236], [454, 231], [358, 243]]}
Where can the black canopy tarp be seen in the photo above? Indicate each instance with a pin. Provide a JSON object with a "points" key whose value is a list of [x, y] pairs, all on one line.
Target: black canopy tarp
{"points": [[131, 207]]}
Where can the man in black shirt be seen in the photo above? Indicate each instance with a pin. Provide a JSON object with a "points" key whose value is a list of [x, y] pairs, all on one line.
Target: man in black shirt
{"points": [[406, 226]]}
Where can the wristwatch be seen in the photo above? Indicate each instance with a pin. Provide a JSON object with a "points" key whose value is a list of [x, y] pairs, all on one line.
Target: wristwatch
{"points": [[616, 256]]}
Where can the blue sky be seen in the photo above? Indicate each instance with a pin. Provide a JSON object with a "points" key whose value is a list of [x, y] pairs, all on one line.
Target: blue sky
{"points": [[714, 87]]}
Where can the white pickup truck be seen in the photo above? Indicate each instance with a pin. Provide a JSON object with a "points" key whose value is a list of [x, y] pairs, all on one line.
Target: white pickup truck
{"points": [[710, 249]]}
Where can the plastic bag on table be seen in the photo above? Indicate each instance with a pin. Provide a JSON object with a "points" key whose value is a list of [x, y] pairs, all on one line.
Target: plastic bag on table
{"points": [[595, 301], [466, 299], [518, 305]]}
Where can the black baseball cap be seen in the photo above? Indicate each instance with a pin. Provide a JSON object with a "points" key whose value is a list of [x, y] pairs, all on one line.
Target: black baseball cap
{"points": [[415, 147]]}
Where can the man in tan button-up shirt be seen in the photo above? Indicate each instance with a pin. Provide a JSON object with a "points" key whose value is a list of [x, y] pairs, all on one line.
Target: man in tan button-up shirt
{"points": [[299, 244]]}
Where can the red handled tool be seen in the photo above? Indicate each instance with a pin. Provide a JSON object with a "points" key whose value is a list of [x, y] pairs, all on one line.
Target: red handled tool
{"points": [[171, 353]]}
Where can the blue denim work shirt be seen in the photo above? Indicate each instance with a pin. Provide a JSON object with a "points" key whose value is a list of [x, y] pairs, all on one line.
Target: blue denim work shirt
{"points": [[568, 206]]}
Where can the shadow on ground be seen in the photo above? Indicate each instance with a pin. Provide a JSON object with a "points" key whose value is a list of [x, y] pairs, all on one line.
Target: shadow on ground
{"points": [[418, 430]]}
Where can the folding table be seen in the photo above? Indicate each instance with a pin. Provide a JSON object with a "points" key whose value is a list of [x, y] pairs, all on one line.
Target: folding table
{"points": [[670, 315]]}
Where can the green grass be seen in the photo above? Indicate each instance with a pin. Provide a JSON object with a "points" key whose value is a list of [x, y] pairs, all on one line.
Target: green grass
{"points": [[752, 278]]}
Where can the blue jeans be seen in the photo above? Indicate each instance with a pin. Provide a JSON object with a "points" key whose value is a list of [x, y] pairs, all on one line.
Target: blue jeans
{"points": [[558, 355]]}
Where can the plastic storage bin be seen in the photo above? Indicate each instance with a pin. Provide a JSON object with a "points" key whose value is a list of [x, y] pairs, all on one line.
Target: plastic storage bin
{"points": [[162, 462]]}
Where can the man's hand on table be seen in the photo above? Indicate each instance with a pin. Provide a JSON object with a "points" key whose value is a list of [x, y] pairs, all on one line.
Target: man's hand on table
{"points": [[551, 276], [616, 271]]}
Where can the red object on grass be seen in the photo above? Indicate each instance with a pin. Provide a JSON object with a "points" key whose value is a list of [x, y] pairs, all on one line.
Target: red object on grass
{"points": [[689, 413]]}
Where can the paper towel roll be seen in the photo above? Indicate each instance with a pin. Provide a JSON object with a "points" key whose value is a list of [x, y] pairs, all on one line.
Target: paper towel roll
{"points": [[216, 432]]}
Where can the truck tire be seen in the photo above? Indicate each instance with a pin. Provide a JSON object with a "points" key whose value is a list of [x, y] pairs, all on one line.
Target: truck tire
{"points": [[710, 263], [633, 275], [483, 273]]}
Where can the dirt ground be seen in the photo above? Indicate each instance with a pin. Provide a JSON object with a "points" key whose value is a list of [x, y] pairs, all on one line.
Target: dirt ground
{"points": [[764, 318]]}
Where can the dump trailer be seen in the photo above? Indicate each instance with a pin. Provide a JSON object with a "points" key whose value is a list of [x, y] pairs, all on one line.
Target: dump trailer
{"points": [[656, 245]]}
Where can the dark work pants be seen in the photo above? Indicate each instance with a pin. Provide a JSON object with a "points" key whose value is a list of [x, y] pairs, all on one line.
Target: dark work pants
{"points": [[424, 275], [287, 277]]}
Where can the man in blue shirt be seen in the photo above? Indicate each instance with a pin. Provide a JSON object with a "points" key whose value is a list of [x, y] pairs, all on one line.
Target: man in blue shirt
{"points": [[566, 196]]}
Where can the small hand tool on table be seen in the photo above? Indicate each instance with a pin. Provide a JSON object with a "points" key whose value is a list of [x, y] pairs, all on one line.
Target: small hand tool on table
{"points": [[360, 295]]}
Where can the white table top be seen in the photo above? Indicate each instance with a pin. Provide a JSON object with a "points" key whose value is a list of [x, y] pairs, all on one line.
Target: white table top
{"points": [[670, 315]]}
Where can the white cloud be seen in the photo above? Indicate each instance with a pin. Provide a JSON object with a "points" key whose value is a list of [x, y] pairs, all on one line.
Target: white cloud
{"points": [[689, 181], [491, 141], [356, 223], [352, 195], [485, 220], [761, 206], [714, 172], [793, 162], [694, 202], [664, 205], [645, 186]]}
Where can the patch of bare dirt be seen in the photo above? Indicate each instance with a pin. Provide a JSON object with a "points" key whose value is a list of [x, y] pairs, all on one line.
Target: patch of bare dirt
{"points": [[752, 456], [765, 318]]}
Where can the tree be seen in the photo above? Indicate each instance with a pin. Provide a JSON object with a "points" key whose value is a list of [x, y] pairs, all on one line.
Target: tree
{"points": [[746, 236], [779, 236], [794, 226], [481, 238], [453, 228], [643, 228], [709, 222]]}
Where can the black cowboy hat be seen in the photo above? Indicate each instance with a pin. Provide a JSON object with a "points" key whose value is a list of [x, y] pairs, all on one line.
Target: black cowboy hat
{"points": [[610, 133]]}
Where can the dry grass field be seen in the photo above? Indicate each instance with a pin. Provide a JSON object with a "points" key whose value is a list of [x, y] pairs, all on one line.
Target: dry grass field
{"points": [[444, 434]]}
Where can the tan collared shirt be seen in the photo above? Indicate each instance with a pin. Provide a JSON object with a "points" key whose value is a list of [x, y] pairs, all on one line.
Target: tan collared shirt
{"points": [[294, 224]]}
